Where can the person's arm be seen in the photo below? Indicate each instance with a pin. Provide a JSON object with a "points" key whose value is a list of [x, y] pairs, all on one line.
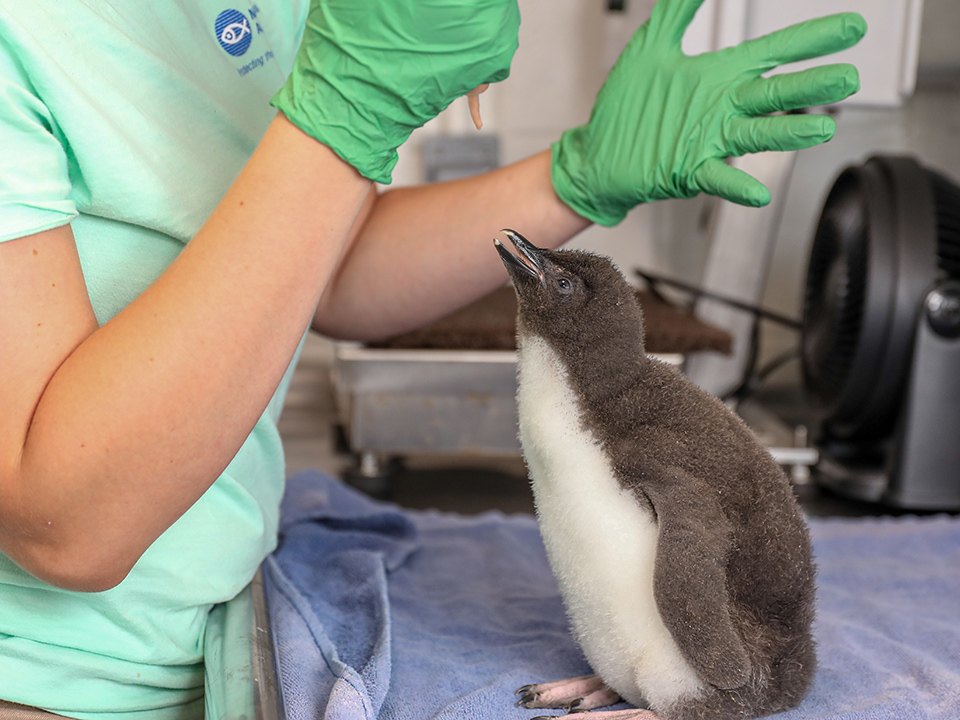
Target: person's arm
{"points": [[423, 251], [108, 434], [662, 125]]}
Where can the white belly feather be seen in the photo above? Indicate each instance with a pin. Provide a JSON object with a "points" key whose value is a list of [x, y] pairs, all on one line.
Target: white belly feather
{"points": [[600, 541]]}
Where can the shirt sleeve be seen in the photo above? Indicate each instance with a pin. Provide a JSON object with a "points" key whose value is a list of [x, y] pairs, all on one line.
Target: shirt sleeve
{"points": [[34, 176]]}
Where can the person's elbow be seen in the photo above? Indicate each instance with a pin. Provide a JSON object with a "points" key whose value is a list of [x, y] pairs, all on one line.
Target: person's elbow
{"points": [[71, 564], [334, 323]]}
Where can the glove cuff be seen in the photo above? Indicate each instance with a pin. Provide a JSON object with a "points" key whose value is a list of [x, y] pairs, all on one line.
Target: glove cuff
{"points": [[323, 113], [569, 170]]}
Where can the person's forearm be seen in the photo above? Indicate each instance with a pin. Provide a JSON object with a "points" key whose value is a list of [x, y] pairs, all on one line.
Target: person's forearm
{"points": [[148, 410], [426, 250]]}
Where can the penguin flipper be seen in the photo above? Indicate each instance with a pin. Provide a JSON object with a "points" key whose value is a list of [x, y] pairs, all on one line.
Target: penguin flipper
{"points": [[690, 584]]}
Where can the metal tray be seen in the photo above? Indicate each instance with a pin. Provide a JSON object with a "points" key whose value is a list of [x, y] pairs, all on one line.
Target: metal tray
{"points": [[404, 402]]}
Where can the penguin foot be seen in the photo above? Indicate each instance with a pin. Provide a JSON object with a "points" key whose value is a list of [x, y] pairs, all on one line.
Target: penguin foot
{"points": [[575, 695]]}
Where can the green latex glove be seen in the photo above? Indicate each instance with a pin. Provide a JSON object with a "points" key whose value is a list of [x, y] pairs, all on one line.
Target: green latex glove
{"points": [[369, 72], [664, 121]]}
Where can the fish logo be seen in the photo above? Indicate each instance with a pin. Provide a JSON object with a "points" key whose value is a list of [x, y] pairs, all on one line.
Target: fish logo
{"points": [[233, 32]]}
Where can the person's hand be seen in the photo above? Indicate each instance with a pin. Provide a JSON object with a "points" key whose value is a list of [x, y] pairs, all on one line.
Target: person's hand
{"points": [[664, 121], [369, 72]]}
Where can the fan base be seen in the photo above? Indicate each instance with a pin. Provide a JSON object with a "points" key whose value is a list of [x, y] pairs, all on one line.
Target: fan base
{"points": [[857, 483]]}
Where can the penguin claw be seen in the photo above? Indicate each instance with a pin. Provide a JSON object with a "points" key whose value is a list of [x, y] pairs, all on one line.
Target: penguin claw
{"points": [[527, 700], [530, 697]]}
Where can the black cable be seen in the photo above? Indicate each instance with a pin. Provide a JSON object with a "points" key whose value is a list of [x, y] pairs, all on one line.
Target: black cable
{"points": [[653, 280], [752, 378], [778, 362]]}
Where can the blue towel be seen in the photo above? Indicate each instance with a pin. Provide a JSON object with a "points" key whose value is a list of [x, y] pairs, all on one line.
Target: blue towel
{"points": [[379, 612]]}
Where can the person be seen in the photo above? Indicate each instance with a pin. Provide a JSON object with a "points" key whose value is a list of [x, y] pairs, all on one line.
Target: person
{"points": [[185, 189]]}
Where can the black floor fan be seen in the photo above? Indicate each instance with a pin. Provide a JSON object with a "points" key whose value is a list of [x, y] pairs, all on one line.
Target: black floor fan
{"points": [[881, 336]]}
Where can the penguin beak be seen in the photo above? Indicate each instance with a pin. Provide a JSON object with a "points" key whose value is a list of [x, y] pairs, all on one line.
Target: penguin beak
{"points": [[526, 260]]}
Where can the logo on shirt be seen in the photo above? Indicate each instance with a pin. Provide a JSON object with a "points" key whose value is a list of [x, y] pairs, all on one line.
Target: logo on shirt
{"points": [[233, 32]]}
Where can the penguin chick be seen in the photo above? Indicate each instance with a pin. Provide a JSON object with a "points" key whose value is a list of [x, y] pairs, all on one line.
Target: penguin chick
{"points": [[678, 546]]}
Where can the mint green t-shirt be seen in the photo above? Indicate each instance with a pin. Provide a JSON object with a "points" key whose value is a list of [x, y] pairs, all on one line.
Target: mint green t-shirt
{"points": [[130, 119]]}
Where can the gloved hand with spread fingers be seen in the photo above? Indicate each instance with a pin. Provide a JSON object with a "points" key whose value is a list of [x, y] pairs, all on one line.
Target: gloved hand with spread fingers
{"points": [[664, 121], [369, 72]]}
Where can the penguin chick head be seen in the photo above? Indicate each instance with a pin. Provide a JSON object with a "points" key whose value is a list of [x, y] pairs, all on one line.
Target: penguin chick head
{"points": [[571, 296]]}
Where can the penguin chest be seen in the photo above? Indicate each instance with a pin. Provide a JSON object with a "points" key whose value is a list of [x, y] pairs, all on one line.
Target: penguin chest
{"points": [[600, 541]]}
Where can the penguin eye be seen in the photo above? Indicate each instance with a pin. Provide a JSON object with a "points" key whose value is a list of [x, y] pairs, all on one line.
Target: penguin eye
{"points": [[564, 285]]}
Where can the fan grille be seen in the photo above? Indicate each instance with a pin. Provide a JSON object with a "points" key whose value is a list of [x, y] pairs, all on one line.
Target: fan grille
{"points": [[856, 345], [946, 197], [835, 291]]}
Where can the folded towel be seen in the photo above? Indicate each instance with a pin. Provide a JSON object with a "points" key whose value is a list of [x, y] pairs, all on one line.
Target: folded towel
{"points": [[380, 612]]}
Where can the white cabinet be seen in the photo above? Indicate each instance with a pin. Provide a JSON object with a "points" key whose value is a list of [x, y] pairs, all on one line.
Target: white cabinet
{"points": [[886, 57]]}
